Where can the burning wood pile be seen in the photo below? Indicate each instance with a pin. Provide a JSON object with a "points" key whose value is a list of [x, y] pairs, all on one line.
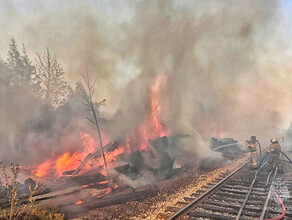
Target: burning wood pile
{"points": [[86, 184], [98, 175]]}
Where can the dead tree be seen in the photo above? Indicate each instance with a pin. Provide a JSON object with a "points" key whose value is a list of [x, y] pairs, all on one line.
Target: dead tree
{"points": [[92, 108]]}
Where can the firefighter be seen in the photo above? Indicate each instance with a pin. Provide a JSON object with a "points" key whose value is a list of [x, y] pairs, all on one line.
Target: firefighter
{"points": [[252, 146], [274, 154]]}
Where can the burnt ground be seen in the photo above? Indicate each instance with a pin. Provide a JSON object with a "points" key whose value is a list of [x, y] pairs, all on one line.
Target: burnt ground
{"points": [[170, 192]]}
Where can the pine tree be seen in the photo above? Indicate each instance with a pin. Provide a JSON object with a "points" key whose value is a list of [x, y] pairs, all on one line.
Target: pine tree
{"points": [[54, 86], [15, 64], [30, 73], [14, 57], [22, 71]]}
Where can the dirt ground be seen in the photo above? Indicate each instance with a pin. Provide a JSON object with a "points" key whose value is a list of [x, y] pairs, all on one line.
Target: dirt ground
{"points": [[171, 191]]}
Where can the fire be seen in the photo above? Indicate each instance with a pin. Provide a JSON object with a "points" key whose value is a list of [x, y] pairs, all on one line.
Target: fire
{"points": [[68, 161], [88, 142], [42, 169], [107, 191], [103, 182], [103, 172], [150, 128], [155, 115], [79, 202], [109, 156]]}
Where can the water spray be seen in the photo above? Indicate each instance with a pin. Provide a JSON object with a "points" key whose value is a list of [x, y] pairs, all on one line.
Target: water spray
{"points": [[228, 145]]}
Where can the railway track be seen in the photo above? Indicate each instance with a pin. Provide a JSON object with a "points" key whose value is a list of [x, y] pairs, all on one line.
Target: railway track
{"points": [[243, 194]]}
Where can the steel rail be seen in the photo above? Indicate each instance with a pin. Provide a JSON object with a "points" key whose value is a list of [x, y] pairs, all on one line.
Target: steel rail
{"points": [[249, 191], [189, 207], [265, 211], [268, 179]]}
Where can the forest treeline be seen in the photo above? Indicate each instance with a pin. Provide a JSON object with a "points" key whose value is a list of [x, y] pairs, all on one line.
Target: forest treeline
{"points": [[34, 96]]}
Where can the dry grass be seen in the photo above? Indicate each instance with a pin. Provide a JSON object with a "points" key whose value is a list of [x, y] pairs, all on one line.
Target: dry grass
{"points": [[17, 210]]}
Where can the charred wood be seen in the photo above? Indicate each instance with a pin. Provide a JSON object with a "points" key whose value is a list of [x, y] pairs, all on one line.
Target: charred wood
{"points": [[73, 210]]}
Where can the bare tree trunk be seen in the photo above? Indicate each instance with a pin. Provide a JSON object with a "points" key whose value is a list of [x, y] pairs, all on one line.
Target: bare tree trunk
{"points": [[89, 103], [100, 139]]}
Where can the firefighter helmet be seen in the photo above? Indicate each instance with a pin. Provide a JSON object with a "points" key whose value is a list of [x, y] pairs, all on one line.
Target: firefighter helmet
{"points": [[253, 138], [274, 140]]}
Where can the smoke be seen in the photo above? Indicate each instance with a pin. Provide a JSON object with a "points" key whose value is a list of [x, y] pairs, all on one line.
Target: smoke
{"points": [[212, 55]]}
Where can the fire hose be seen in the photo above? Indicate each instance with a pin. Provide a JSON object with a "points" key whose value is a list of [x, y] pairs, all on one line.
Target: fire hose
{"points": [[278, 197], [285, 156], [238, 143], [260, 148], [228, 145], [283, 207], [279, 152]]}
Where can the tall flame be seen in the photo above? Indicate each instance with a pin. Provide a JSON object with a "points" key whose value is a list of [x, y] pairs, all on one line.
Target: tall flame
{"points": [[155, 115], [150, 128]]}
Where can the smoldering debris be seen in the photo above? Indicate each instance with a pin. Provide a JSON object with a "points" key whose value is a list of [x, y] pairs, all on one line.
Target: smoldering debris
{"points": [[167, 68]]}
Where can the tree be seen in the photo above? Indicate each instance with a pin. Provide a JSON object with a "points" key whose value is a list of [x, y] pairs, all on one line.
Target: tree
{"points": [[14, 60], [53, 85], [22, 72], [30, 72], [76, 97], [92, 108], [3, 91], [15, 66]]}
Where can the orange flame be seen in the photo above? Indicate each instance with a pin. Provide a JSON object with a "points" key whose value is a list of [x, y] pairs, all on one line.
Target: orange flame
{"points": [[68, 161], [149, 129], [79, 202], [152, 127], [42, 169], [155, 115]]}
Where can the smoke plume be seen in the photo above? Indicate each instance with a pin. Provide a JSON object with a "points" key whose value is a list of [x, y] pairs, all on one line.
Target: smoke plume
{"points": [[210, 56]]}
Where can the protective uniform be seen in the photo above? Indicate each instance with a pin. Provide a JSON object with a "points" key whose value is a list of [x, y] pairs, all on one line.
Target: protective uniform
{"points": [[253, 148], [274, 154]]}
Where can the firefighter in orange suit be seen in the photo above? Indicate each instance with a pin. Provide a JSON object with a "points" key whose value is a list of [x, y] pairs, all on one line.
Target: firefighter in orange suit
{"points": [[252, 146], [274, 154]]}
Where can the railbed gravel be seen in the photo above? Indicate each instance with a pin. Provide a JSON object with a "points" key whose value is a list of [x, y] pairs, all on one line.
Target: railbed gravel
{"points": [[171, 192]]}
